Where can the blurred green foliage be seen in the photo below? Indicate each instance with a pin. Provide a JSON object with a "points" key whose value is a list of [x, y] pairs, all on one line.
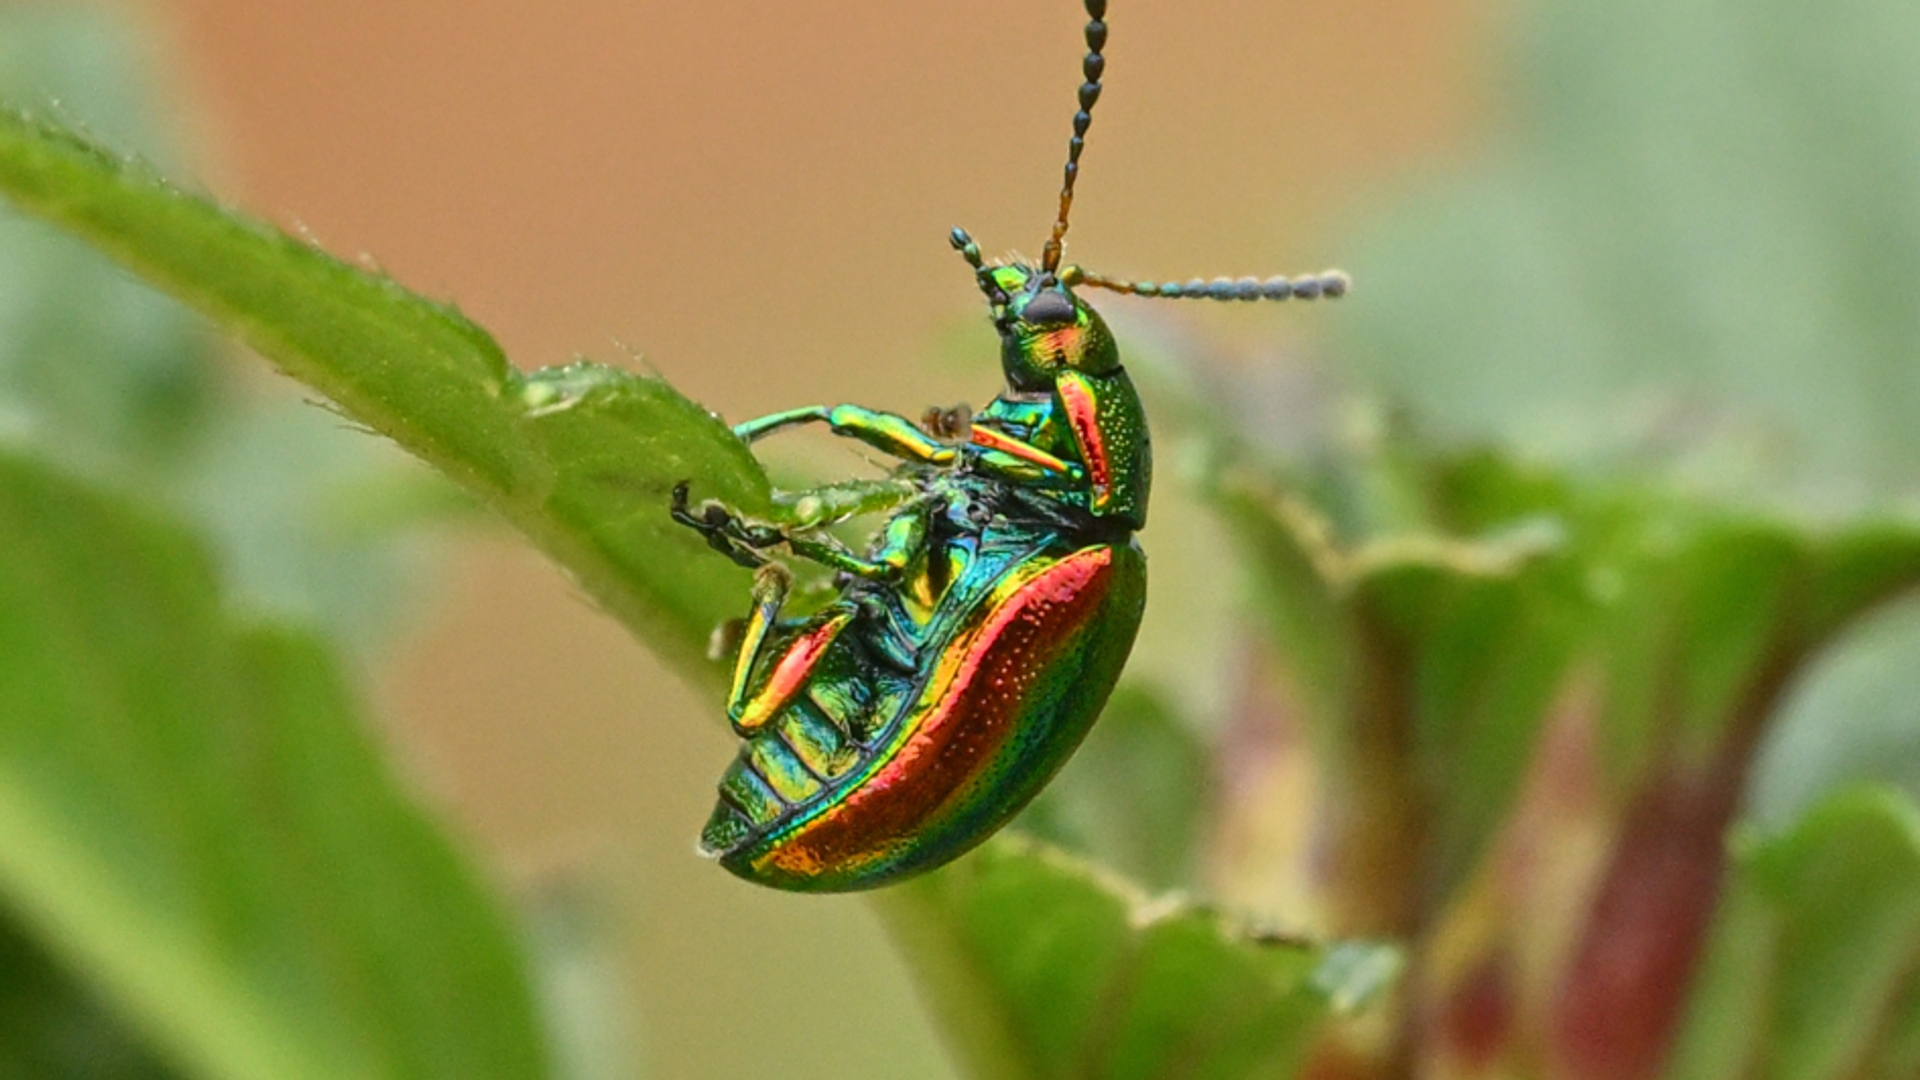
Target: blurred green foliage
{"points": [[192, 815], [164, 848], [109, 378], [1690, 244], [54, 1028], [1690, 232], [1043, 967], [1811, 971]]}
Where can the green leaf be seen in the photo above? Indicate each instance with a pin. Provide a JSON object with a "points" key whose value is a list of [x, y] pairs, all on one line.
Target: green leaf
{"points": [[1428, 657], [313, 523], [1041, 967], [1813, 970], [191, 817], [94, 367], [106, 376], [52, 1028], [581, 458]]}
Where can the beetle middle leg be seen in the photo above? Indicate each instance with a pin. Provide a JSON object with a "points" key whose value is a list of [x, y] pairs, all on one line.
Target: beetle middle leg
{"points": [[902, 540], [894, 563]]}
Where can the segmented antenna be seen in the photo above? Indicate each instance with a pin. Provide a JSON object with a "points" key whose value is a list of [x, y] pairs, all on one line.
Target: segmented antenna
{"points": [[1328, 283], [982, 275], [1331, 284], [1091, 67]]}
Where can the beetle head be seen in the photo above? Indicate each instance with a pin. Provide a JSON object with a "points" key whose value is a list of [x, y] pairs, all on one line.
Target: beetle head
{"points": [[1044, 327]]}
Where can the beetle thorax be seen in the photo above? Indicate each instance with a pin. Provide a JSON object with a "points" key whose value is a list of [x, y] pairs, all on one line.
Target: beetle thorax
{"points": [[1047, 330]]}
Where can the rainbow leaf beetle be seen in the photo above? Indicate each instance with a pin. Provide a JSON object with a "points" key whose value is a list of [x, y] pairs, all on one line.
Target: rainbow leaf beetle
{"points": [[970, 647]]}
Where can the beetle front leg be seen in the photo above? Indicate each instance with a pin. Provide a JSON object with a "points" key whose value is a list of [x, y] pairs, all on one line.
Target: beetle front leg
{"points": [[1001, 455], [886, 432], [760, 427]]}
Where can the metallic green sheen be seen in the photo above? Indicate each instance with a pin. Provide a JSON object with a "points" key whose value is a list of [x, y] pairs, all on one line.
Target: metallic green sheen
{"points": [[894, 814], [977, 638]]}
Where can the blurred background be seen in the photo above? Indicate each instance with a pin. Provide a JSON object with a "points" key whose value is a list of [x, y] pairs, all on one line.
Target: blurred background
{"points": [[752, 199], [1609, 234]]}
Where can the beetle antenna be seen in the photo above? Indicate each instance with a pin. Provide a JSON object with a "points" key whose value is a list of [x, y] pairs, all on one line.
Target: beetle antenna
{"points": [[1331, 284], [982, 275], [1092, 68]]}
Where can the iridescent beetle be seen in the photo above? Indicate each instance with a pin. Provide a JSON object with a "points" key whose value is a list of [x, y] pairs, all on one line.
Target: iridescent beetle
{"points": [[970, 648]]}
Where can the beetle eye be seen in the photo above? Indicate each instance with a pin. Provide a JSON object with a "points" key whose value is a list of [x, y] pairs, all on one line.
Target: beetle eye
{"points": [[1048, 309]]}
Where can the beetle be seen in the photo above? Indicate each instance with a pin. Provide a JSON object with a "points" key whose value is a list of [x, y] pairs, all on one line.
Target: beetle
{"points": [[970, 647]]}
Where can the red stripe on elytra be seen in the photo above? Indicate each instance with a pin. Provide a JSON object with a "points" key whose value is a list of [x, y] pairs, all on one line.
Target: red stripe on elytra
{"points": [[977, 709]]}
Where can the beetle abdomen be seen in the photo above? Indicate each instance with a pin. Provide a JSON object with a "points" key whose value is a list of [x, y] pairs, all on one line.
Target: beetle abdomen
{"points": [[1004, 700]]}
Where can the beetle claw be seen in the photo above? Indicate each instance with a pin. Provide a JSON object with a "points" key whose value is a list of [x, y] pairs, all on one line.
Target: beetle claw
{"points": [[722, 531]]}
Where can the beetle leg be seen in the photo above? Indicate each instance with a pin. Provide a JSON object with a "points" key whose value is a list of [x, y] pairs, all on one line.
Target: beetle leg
{"points": [[1024, 471], [744, 542], [759, 428], [898, 613], [755, 699], [832, 554], [901, 542], [1001, 455], [718, 526], [888, 635], [890, 433], [904, 539], [886, 432], [770, 586]]}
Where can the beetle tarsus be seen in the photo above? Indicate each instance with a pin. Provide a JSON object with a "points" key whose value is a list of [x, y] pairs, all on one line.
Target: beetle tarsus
{"points": [[720, 528]]}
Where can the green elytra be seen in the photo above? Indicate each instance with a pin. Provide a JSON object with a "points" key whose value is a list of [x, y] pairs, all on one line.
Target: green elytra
{"points": [[972, 644]]}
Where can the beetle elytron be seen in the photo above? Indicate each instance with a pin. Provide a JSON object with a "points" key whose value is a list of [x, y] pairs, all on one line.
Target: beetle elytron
{"points": [[972, 645]]}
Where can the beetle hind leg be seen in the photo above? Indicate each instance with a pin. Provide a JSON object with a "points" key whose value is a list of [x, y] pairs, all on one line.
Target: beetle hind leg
{"points": [[769, 678], [770, 585]]}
